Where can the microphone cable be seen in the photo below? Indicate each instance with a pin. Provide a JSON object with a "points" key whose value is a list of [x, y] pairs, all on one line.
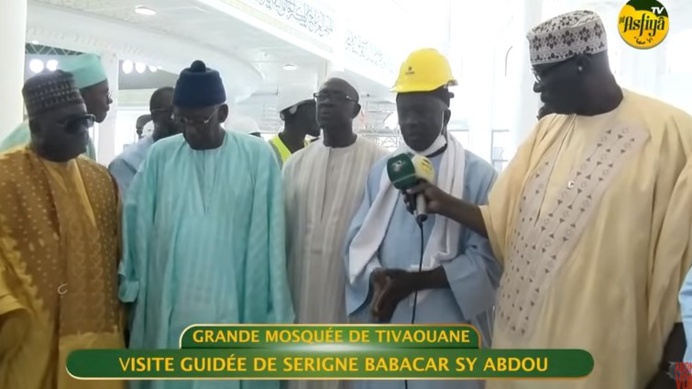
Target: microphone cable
{"points": [[420, 269]]}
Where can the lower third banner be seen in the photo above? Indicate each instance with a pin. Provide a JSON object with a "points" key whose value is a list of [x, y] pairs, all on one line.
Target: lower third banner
{"points": [[249, 364]]}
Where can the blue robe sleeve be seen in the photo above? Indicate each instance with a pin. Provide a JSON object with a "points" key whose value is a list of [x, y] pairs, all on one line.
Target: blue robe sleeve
{"points": [[138, 219], [123, 175], [358, 292], [474, 276], [267, 297], [686, 311]]}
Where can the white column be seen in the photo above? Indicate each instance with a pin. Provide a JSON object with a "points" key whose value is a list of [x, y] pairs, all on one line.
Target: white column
{"points": [[337, 60], [326, 70], [527, 15], [447, 35], [472, 65], [13, 38], [106, 131]]}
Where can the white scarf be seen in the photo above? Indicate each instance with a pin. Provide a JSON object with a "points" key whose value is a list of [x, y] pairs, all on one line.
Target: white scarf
{"points": [[444, 239]]}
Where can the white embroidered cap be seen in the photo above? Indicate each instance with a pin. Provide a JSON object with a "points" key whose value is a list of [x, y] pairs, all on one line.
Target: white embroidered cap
{"points": [[565, 36]]}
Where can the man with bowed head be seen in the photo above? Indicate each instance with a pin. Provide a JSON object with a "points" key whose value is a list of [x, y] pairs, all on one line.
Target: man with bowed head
{"points": [[459, 278], [59, 244], [591, 219], [204, 230]]}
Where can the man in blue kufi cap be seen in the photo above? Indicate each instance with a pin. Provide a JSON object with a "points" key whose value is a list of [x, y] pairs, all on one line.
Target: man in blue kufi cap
{"points": [[203, 230], [91, 80]]}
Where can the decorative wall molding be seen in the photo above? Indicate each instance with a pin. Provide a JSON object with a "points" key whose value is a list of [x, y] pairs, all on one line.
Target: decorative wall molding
{"points": [[254, 14], [368, 52], [301, 14], [319, 24], [80, 31]]}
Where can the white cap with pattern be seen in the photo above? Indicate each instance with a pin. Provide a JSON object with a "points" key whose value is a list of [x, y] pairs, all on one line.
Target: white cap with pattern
{"points": [[565, 36]]}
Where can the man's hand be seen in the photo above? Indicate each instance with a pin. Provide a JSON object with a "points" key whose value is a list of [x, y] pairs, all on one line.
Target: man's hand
{"points": [[437, 200], [390, 286], [378, 282]]}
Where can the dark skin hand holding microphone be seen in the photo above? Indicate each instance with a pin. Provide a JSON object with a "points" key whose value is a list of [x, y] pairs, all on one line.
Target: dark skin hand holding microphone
{"points": [[391, 286]]}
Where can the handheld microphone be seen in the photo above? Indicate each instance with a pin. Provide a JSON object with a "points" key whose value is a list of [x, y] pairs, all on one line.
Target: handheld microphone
{"points": [[407, 170]]}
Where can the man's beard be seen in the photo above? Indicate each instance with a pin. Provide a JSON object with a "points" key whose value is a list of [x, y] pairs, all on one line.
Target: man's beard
{"points": [[544, 111]]}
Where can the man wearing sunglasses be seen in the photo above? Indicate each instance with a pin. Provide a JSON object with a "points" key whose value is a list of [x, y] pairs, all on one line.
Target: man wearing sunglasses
{"points": [[591, 219], [90, 78], [60, 228], [125, 166], [204, 229]]}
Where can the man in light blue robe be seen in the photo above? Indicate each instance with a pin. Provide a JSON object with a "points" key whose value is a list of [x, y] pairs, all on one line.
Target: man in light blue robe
{"points": [[90, 78], [459, 276], [125, 166], [204, 233], [686, 312]]}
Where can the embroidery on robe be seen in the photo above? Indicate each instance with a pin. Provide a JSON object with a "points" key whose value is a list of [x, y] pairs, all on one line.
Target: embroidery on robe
{"points": [[543, 240]]}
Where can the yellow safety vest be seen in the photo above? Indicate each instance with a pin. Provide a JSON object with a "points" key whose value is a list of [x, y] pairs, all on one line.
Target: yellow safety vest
{"points": [[282, 152]]}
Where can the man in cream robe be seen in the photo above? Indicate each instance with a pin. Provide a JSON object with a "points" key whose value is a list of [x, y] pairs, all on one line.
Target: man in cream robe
{"points": [[323, 186], [591, 219]]}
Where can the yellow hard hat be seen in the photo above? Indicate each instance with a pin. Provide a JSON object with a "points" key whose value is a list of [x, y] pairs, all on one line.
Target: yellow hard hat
{"points": [[423, 71]]}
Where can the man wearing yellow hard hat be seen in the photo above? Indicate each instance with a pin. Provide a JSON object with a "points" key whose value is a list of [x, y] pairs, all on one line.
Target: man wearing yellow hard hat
{"points": [[460, 276]]}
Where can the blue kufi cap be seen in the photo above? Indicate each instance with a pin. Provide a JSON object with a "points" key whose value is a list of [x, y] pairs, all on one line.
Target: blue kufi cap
{"points": [[86, 69], [199, 87]]}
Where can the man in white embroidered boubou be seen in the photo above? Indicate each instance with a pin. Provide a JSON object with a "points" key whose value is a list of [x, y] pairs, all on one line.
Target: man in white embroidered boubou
{"points": [[591, 219], [460, 277], [323, 187]]}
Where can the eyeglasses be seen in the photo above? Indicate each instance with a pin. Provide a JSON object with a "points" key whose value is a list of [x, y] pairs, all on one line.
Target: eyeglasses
{"points": [[334, 96], [198, 122], [547, 70], [78, 122]]}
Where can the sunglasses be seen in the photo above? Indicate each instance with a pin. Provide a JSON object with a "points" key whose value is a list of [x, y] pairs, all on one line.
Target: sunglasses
{"points": [[550, 69], [77, 123]]}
